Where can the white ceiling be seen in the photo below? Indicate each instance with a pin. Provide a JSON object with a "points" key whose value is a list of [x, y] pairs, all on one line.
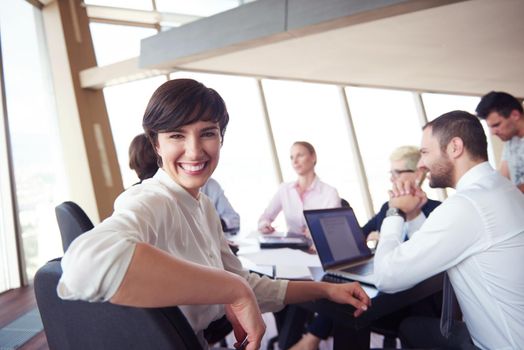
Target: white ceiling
{"points": [[469, 47]]}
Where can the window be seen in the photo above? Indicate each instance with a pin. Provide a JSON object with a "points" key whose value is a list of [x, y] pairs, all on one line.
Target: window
{"points": [[202, 8], [38, 165], [383, 120], [114, 43], [314, 113], [131, 4]]}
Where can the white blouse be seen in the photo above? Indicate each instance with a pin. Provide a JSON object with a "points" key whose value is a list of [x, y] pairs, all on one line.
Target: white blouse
{"points": [[163, 214]]}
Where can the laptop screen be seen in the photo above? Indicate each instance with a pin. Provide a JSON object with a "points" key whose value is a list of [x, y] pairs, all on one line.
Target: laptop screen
{"points": [[337, 235]]}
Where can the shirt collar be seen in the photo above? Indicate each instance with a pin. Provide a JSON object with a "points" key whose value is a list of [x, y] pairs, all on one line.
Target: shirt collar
{"points": [[180, 193], [474, 174], [312, 186]]}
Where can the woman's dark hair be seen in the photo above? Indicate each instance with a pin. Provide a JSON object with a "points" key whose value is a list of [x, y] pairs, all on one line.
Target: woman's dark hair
{"points": [[142, 157], [463, 125], [181, 102]]}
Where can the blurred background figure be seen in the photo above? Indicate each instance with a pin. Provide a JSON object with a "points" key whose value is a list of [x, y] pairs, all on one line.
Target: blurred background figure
{"points": [[228, 216], [504, 115], [307, 192], [403, 166]]}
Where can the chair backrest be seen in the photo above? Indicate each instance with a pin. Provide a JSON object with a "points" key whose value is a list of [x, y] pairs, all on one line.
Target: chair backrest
{"points": [[82, 325], [344, 203], [72, 222]]}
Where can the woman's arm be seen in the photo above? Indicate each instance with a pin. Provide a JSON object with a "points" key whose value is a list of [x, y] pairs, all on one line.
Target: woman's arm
{"points": [[271, 212], [155, 279], [344, 293]]}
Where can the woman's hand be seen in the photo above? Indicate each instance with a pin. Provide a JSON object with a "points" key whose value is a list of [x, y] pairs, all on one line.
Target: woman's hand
{"points": [[349, 293], [267, 228], [247, 322], [343, 293]]}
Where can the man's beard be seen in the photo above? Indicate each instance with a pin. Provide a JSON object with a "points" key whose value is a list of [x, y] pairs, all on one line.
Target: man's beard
{"points": [[442, 174]]}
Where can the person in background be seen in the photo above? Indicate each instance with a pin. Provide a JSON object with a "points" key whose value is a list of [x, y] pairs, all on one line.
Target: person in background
{"points": [[403, 165], [476, 236], [504, 116], [163, 244], [143, 160], [307, 192], [228, 216]]}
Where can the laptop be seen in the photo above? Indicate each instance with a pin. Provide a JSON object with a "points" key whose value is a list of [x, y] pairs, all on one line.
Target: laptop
{"points": [[340, 244], [287, 240]]}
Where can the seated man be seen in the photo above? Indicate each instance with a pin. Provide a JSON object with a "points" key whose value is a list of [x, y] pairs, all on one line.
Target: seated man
{"points": [[476, 236], [403, 165]]}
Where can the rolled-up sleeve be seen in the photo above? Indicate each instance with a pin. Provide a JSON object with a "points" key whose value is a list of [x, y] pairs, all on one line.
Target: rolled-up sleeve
{"points": [[95, 265], [96, 262]]}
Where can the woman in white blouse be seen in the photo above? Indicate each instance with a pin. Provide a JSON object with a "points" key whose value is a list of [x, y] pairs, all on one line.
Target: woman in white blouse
{"points": [[163, 245]]}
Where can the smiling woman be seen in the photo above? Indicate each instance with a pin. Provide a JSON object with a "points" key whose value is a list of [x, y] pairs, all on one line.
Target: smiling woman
{"points": [[163, 245], [187, 141]]}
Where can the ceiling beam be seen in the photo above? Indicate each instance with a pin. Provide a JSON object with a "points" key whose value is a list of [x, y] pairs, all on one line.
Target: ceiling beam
{"points": [[115, 15], [116, 73]]}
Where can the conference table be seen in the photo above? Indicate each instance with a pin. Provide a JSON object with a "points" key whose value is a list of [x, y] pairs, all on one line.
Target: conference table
{"points": [[349, 332]]}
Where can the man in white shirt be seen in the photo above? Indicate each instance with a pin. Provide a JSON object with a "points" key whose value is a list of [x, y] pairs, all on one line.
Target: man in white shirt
{"points": [[476, 236]]}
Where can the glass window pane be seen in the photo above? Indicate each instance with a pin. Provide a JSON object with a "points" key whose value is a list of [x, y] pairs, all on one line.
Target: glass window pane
{"points": [[383, 120], [245, 171], [126, 104], [314, 113], [202, 8], [132, 4], [38, 163], [114, 43], [438, 104]]}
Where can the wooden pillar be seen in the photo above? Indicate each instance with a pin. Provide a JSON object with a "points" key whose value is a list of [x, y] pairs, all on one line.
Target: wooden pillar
{"points": [[87, 142]]}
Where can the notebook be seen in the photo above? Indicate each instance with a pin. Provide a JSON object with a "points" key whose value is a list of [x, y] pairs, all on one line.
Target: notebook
{"points": [[340, 244]]}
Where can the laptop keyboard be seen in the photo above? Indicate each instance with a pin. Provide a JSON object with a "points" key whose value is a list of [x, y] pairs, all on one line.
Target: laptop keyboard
{"points": [[362, 270], [334, 279]]}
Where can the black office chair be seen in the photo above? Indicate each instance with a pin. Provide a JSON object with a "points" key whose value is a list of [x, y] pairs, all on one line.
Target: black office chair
{"points": [[344, 203], [82, 325], [72, 222]]}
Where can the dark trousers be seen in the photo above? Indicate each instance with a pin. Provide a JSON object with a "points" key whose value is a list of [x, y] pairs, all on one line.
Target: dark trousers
{"points": [[322, 326], [424, 332]]}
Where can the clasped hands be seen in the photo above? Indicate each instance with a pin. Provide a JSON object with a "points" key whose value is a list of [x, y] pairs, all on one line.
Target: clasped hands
{"points": [[408, 197]]}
